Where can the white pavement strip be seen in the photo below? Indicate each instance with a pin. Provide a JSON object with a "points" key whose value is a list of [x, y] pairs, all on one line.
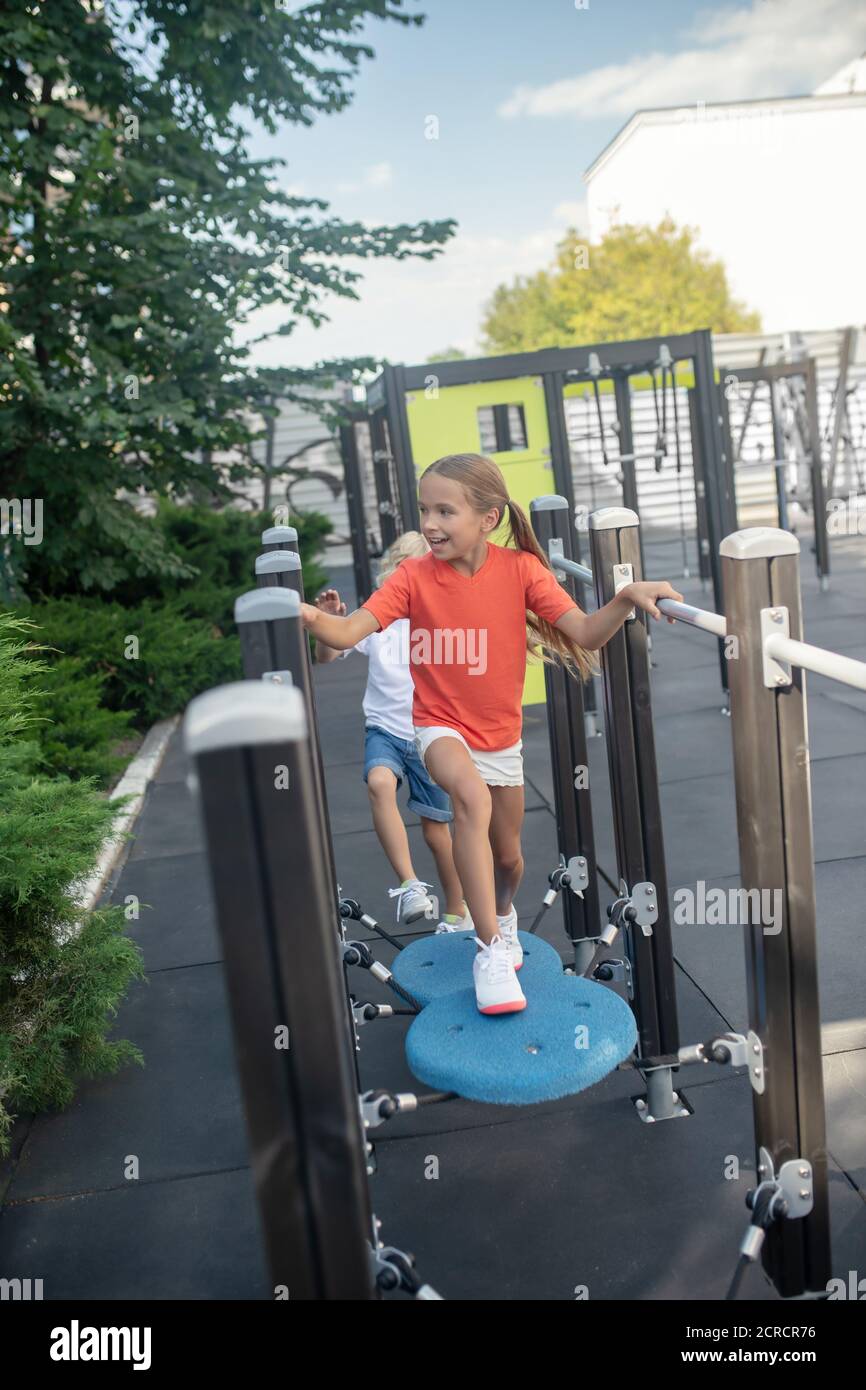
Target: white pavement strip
{"points": [[133, 783]]}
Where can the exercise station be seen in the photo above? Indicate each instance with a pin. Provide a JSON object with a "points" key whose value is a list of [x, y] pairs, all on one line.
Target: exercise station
{"points": [[677, 1113]]}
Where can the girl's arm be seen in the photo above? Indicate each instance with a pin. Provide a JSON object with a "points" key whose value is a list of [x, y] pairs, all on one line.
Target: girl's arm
{"points": [[592, 630], [335, 631]]}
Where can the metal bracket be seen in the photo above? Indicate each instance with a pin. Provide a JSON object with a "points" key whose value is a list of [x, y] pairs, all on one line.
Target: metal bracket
{"points": [[397, 1269], [774, 621], [278, 677], [619, 970], [555, 547], [578, 871], [371, 1106], [358, 1009], [742, 1052], [644, 899], [756, 1063], [795, 1180], [623, 575]]}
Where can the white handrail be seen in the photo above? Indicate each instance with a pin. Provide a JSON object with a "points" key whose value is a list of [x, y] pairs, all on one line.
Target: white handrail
{"points": [[824, 663], [695, 617]]}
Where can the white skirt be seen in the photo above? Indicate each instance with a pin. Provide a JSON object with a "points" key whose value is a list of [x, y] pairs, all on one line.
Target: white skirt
{"points": [[503, 767]]}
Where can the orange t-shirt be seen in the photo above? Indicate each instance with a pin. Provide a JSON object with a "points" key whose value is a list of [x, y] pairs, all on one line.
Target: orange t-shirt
{"points": [[467, 638]]}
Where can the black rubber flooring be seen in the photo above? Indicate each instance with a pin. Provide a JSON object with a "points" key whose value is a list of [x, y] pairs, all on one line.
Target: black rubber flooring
{"points": [[529, 1203]]}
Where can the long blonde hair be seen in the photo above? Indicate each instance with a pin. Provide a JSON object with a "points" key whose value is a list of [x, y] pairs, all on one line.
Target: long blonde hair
{"points": [[409, 543], [484, 486]]}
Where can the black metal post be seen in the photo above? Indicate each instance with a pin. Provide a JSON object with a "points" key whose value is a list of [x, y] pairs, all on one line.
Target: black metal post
{"points": [[774, 818], [357, 518], [379, 439], [700, 477], [274, 645], [625, 435], [566, 722], [282, 965], [721, 514], [560, 458], [819, 503], [635, 800], [401, 447]]}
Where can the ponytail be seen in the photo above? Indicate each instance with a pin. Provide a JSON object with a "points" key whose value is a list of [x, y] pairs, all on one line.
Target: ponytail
{"points": [[544, 642]]}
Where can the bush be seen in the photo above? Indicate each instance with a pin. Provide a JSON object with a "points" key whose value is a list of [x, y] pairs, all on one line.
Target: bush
{"points": [[80, 732], [150, 661], [99, 684], [220, 547], [62, 971]]}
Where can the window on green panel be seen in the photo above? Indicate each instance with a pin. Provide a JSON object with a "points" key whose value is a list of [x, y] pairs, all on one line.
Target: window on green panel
{"points": [[501, 428]]}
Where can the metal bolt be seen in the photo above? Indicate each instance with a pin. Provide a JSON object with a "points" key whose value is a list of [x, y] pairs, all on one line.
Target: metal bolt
{"points": [[756, 1047], [805, 1194], [781, 680], [757, 1071], [804, 1172], [650, 892]]}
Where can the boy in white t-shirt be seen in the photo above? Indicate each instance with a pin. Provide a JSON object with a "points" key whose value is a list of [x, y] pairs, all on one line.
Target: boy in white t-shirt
{"points": [[390, 755]]}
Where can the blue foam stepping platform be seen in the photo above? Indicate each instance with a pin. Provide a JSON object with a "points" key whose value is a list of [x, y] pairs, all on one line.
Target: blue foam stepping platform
{"points": [[439, 965], [522, 1058]]}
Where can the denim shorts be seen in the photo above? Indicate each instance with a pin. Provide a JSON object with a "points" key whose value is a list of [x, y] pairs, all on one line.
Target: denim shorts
{"points": [[382, 749]]}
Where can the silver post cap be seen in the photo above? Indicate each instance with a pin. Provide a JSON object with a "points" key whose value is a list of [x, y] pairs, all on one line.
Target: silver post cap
{"points": [[243, 714], [551, 502], [259, 604], [279, 535], [759, 542], [277, 562], [612, 518]]}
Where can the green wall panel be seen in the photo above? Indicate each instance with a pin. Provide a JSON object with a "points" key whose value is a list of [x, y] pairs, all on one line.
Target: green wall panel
{"points": [[445, 421]]}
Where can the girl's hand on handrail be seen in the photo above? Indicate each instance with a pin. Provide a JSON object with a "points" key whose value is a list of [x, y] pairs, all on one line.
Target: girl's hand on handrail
{"points": [[644, 592]]}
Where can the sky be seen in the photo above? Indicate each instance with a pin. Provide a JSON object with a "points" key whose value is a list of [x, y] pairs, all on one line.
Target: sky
{"points": [[526, 94]]}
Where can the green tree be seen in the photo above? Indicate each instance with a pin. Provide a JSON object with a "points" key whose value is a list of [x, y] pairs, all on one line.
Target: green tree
{"points": [[137, 235], [449, 354], [637, 282]]}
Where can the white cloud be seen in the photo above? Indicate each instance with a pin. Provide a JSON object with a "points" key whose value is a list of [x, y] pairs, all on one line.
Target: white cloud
{"points": [[765, 49], [408, 309], [376, 176]]}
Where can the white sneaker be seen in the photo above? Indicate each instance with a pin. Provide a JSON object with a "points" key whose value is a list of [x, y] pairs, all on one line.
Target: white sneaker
{"points": [[497, 988], [464, 923], [412, 900], [508, 932]]}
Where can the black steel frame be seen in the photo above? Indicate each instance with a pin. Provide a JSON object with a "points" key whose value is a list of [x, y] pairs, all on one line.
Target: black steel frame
{"points": [[389, 426], [771, 374]]}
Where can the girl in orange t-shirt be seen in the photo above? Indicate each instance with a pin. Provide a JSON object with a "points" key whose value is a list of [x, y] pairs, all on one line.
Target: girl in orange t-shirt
{"points": [[476, 610]]}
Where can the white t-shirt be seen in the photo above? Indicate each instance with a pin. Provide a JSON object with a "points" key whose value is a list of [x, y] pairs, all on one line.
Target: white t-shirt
{"points": [[388, 698]]}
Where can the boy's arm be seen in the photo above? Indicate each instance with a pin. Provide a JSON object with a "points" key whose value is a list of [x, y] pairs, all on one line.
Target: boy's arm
{"points": [[337, 632]]}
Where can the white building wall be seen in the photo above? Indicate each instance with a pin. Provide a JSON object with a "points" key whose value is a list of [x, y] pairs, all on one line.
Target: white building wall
{"points": [[775, 189]]}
